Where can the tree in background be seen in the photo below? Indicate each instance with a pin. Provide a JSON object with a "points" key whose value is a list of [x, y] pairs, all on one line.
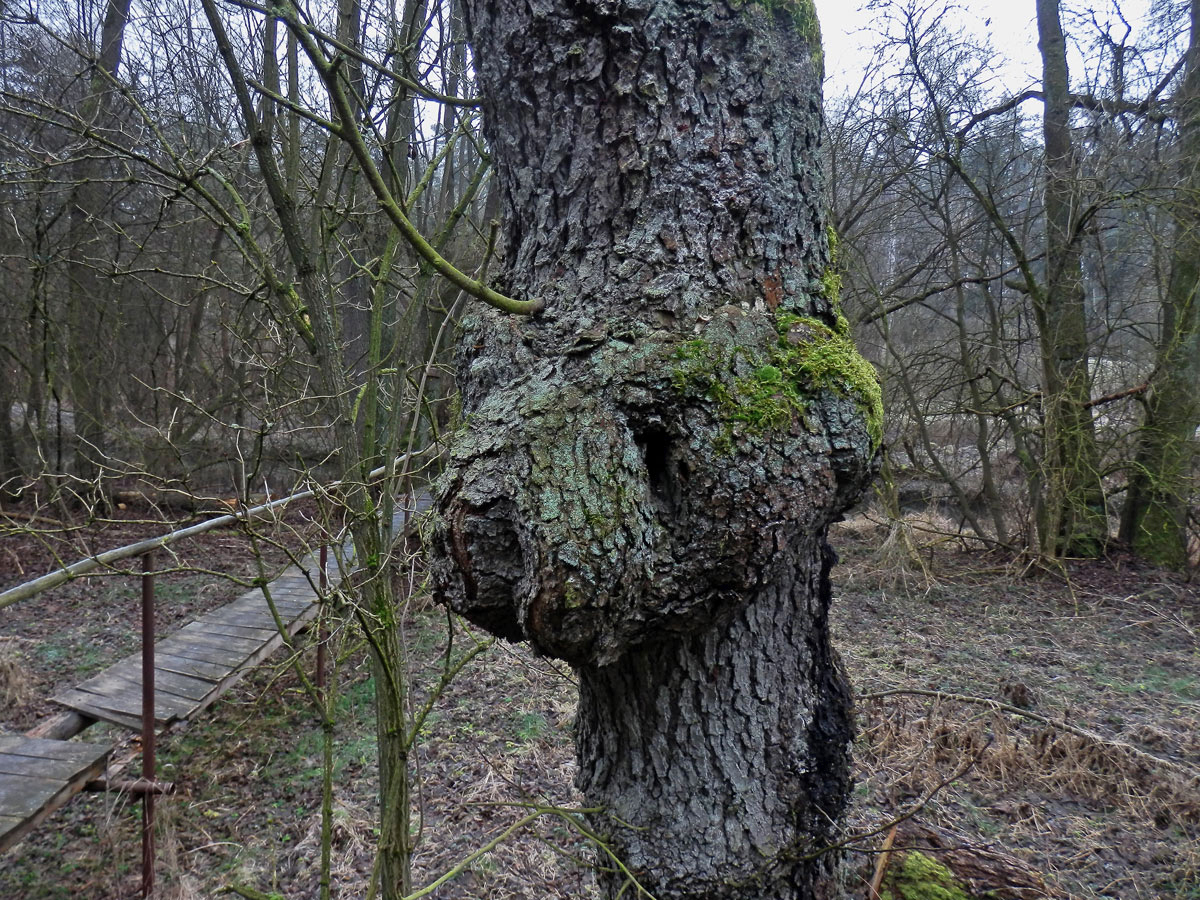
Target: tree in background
{"points": [[1010, 287], [1161, 481], [1076, 520]]}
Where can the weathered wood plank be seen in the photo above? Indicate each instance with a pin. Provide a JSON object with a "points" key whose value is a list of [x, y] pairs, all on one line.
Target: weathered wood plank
{"points": [[251, 618], [38, 766], [94, 707], [122, 678], [195, 668], [48, 749], [122, 708], [61, 727], [258, 635], [200, 651], [257, 602], [285, 606], [173, 690], [25, 801], [23, 795], [196, 631]]}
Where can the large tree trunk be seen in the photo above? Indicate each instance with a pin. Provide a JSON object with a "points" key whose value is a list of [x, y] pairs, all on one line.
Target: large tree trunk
{"points": [[1154, 521], [647, 470], [1076, 522]]}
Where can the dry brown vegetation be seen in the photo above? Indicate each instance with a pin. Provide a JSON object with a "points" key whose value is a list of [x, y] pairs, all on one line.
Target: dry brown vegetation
{"points": [[1045, 725]]}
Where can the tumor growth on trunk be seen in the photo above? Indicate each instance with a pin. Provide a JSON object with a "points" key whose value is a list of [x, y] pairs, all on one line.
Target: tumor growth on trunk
{"points": [[644, 473]]}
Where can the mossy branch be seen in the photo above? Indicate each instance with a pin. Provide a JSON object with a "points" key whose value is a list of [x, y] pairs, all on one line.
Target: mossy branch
{"points": [[346, 129]]}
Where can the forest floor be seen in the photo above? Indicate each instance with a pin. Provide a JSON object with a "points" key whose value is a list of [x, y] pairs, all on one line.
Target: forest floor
{"points": [[1043, 722]]}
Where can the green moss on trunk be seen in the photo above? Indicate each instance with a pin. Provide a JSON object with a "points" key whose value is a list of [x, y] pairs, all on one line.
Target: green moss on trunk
{"points": [[808, 357]]}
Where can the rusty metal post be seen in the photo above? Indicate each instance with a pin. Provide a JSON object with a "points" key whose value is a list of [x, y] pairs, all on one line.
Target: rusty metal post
{"points": [[148, 736], [322, 636]]}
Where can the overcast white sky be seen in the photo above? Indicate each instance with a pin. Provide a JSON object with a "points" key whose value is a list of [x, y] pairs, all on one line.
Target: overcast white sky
{"points": [[1010, 24]]}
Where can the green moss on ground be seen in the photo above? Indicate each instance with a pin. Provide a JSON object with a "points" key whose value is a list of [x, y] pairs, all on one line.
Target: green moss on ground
{"points": [[920, 877]]}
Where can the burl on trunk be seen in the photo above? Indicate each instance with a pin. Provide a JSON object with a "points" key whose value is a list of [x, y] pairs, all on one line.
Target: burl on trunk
{"points": [[646, 471]]}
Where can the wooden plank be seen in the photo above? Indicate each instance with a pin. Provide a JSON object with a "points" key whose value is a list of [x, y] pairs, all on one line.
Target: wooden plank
{"points": [[23, 795], [287, 581], [251, 614], [122, 708], [286, 604], [256, 619], [62, 726], [196, 631], [196, 668], [38, 766], [263, 626], [201, 651], [252, 618], [258, 602], [130, 673], [258, 635], [38, 797], [295, 592], [43, 748], [88, 705], [173, 690]]}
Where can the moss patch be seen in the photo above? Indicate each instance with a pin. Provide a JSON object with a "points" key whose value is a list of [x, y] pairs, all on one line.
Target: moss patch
{"points": [[807, 357], [831, 283], [765, 400], [817, 355], [920, 877]]}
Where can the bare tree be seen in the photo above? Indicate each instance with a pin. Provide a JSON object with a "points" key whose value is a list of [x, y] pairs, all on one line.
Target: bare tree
{"points": [[1077, 521], [1161, 483]]}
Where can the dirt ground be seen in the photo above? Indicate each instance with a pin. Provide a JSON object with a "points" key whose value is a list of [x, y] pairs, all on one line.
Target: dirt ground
{"points": [[1043, 724]]}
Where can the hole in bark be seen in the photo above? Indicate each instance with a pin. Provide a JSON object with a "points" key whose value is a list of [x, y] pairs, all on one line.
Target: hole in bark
{"points": [[664, 486]]}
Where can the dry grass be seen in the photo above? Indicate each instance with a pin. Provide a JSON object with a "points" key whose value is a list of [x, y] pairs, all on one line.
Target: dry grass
{"points": [[16, 685], [1079, 755]]}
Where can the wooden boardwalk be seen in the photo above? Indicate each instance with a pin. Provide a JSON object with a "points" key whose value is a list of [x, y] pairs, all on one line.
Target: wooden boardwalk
{"points": [[192, 668], [201, 661]]}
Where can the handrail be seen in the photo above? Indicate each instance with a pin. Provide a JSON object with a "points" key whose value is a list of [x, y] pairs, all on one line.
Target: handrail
{"points": [[90, 563]]}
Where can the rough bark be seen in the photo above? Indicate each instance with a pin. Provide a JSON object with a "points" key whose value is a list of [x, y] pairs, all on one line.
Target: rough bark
{"points": [[1154, 521], [1076, 522], [646, 471]]}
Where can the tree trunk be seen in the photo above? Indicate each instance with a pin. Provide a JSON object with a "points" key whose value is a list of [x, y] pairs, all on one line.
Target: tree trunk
{"points": [[1154, 521], [1076, 522], [92, 310], [646, 471], [728, 749]]}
